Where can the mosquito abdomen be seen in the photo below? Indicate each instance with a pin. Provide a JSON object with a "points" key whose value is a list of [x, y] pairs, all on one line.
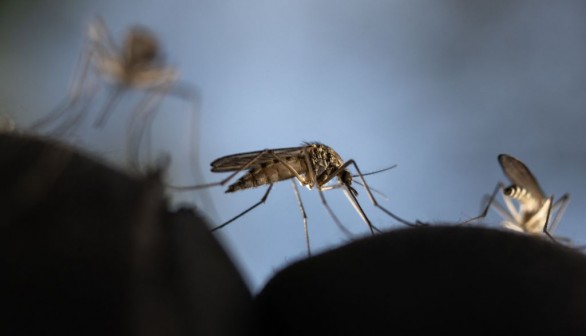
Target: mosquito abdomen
{"points": [[516, 192], [269, 172]]}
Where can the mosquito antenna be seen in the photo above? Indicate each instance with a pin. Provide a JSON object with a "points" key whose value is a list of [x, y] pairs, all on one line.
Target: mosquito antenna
{"points": [[376, 172]]}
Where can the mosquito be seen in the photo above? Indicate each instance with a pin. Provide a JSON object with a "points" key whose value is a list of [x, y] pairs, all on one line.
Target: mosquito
{"points": [[313, 165], [534, 212], [138, 64]]}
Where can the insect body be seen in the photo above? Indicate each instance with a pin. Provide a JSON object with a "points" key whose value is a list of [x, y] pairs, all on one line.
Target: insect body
{"points": [[138, 64], [535, 209], [313, 165]]}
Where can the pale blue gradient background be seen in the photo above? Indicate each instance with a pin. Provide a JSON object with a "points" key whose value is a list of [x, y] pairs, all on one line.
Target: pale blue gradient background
{"points": [[438, 87]]}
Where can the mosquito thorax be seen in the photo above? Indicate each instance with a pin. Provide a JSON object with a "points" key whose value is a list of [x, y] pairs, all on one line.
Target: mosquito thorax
{"points": [[140, 47], [325, 161]]}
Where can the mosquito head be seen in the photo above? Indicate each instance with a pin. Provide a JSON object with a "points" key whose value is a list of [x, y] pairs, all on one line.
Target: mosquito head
{"points": [[140, 47], [346, 179]]}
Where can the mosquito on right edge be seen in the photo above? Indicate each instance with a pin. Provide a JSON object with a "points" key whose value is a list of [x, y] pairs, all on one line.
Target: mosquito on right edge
{"points": [[313, 165], [534, 214]]}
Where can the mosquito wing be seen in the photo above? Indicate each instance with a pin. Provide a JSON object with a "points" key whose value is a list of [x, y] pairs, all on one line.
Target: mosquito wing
{"points": [[520, 175], [238, 161]]}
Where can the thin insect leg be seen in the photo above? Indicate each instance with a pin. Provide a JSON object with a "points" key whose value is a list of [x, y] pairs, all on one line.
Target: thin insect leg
{"points": [[143, 117], [545, 226], [371, 196], [504, 212], [190, 94], [75, 118], [484, 212], [562, 203], [136, 135], [262, 200], [75, 92], [340, 185], [109, 107], [56, 114], [333, 215], [310, 179], [99, 37], [303, 214], [509, 215]]}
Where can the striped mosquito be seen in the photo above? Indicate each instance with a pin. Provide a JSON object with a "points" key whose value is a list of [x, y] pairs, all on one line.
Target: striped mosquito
{"points": [[313, 165], [534, 214], [138, 64]]}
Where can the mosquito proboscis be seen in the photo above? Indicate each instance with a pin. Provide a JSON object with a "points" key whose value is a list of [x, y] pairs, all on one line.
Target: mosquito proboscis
{"points": [[534, 212], [313, 165]]}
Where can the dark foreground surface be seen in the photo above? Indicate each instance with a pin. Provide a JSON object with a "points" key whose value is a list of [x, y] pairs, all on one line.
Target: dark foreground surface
{"points": [[435, 279], [89, 250]]}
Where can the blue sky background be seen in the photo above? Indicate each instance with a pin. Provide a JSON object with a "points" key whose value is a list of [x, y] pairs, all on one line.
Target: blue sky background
{"points": [[438, 87]]}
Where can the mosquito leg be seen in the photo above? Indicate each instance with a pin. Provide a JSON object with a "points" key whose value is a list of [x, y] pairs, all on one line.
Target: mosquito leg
{"points": [[484, 212], [76, 117], [262, 200], [340, 185], [179, 90], [57, 113], [303, 214], [107, 110], [190, 95], [75, 92], [508, 214], [545, 225], [99, 37], [143, 117], [136, 135], [332, 214], [350, 196], [371, 196], [561, 205]]}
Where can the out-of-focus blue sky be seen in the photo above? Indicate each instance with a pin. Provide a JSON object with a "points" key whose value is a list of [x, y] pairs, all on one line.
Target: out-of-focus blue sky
{"points": [[438, 87]]}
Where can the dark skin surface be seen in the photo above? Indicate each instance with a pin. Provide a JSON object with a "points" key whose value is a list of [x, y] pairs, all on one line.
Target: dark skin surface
{"points": [[431, 279], [87, 249]]}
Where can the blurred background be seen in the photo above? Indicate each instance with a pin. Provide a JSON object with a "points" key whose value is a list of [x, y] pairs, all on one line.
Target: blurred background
{"points": [[438, 87]]}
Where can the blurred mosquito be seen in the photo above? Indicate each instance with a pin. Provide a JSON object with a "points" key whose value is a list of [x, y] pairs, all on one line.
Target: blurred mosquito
{"points": [[314, 165], [138, 64], [535, 209]]}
